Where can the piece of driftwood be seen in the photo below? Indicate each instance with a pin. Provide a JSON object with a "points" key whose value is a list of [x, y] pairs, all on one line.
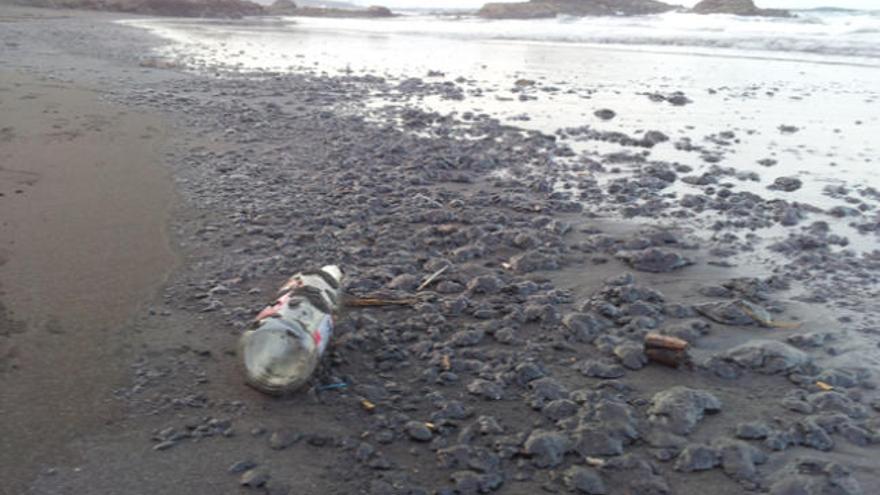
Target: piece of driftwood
{"points": [[667, 350], [658, 341], [363, 302], [432, 278]]}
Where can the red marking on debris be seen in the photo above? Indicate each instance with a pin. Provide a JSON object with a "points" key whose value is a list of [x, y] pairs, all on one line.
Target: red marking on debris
{"points": [[275, 308]]}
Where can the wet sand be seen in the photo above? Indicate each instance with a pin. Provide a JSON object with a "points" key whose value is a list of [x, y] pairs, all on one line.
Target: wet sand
{"points": [[84, 201]]}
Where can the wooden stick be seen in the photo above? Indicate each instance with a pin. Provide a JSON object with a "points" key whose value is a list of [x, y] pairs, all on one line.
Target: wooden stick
{"points": [[361, 302], [658, 341], [430, 279], [667, 350]]}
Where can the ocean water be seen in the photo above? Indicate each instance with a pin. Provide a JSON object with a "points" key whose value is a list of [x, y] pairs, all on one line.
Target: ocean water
{"points": [[842, 36], [819, 72]]}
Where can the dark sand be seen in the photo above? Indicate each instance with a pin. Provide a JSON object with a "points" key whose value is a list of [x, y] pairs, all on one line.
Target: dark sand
{"points": [[84, 200]]}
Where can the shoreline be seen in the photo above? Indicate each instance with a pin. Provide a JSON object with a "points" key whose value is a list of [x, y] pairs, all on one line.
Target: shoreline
{"points": [[273, 177], [83, 216]]}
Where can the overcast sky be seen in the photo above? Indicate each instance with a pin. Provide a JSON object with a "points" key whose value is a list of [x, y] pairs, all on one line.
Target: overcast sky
{"points": [[802, 4]]}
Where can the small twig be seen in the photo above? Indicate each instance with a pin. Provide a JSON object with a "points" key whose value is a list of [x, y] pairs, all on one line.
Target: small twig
{"points": [[785, 325], [430, 279], [362, 302]]}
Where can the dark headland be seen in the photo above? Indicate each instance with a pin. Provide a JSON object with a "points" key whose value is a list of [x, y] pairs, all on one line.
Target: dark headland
{"points": [[210, 8], [534, 9]]}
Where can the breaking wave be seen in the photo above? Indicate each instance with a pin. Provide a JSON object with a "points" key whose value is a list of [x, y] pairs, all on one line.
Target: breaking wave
{"points": [[820, 32]]}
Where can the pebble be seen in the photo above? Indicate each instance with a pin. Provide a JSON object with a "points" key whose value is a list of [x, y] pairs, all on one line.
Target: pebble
{"points": [[584, 480], [546, 448], [599, 369], [418, 431], [786, 184], [167, 444], [764, 356], [254, 478], [679, 409], [485, 389], [241, 466], [605, 114], [655, 260], [283, 439], [697, 458]]}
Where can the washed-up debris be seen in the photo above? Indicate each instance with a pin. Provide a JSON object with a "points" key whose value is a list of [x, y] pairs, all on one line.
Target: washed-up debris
{"points": [[290, 335], [741, 313], [666, 350], [332, 386], [431, 278], [824, 386], [364, 302]]}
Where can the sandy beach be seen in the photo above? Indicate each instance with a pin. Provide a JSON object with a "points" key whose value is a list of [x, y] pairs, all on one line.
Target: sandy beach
{"points": [[84, 215], [156, 188]]}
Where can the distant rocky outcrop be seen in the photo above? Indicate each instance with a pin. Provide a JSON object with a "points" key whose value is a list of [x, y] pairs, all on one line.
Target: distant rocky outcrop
{"points": [[737, 7], [535, 9], [174, 8], [281, 7], [207, 8], [288, 7], [327, 4]]}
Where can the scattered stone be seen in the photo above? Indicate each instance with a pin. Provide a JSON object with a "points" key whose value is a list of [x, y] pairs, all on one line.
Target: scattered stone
{"points": [[485, 389], [546, 448], [656, 260], [697, 458], [605, 114], [406, 282], [485, 284], [736, 313], [755, 430], [584, 480], [167, 444], [418, 431], [738, 460], [467, 338], [533, 261], [471, 483], [583, 326], [241, 466], [600, 369], [764, 356], [814, 476], [787, 184], [651, 139], [631, 355], [254, 478], [594, 441], [679, 409], [544, 390], [283, 439], [559, 409]]}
